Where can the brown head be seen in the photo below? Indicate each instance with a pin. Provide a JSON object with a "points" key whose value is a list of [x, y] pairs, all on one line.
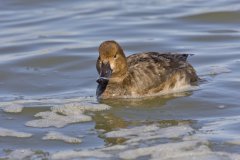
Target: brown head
{"points": [[111, 63]]}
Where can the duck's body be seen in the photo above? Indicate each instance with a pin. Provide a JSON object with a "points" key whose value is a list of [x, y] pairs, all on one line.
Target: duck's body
{"points": [[140, 74]]}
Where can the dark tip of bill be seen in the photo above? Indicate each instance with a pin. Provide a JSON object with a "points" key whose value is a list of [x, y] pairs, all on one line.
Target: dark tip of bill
{"points": [[102, 80]]}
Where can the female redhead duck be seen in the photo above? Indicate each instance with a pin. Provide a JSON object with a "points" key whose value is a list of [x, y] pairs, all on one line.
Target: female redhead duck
{"points": [[140, 74]]}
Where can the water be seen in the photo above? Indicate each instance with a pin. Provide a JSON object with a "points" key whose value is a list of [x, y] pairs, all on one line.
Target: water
{"points": [[48, 52]]}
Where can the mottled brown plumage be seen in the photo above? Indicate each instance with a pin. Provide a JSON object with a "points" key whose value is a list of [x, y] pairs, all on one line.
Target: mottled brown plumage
{"points": [[140, 74]]}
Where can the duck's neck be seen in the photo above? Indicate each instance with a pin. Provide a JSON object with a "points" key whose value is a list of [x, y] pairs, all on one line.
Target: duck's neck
{"points": [[121, 70], [119, 78]]}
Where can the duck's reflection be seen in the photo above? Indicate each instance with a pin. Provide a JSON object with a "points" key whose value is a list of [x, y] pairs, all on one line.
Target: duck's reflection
{"points": [[107, 122], [115, 119], [154, 101]]}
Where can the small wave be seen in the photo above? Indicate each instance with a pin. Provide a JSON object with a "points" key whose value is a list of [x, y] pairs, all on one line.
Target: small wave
{"points": [[215, 17], [216, 70], [221, 128]]}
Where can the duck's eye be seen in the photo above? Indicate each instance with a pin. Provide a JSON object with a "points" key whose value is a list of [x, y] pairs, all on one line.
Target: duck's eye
{"points": [[115, 56]]}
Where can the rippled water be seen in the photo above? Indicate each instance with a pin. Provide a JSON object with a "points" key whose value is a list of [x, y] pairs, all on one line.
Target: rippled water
{"points": [[48, 51]]}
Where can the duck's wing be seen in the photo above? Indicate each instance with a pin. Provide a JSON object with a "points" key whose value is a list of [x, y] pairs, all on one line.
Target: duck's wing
{"points": [[175, 56], [173, 60], [152, 71]]}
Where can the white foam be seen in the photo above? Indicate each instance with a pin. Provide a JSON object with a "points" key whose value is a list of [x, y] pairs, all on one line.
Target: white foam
{"points": [[52, 119], [20, 154], [137, 134], [44, 101], [62, 115], [185, 145], [79, 107], [115, 147], [59, 136], [135, 131], [13, 108], [148, 140], [165, 151], [62, 155], [11, 133], [188, 147]]}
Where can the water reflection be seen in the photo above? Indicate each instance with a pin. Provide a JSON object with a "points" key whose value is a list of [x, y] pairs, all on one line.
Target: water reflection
{"points": [[151, 101], [110, 121], [106, 122]]}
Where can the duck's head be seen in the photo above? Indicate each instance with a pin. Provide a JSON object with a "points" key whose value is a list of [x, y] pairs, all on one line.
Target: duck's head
{"points": [[111, 63]]}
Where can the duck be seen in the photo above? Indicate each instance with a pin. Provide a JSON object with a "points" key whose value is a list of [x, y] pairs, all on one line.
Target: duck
{"points": [[140, 74]]}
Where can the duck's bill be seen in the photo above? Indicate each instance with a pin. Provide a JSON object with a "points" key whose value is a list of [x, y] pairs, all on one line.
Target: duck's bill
{"points": [[105, 73]]}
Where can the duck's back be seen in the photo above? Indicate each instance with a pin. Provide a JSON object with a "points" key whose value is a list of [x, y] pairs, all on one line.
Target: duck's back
{"points": [[152, 72]]}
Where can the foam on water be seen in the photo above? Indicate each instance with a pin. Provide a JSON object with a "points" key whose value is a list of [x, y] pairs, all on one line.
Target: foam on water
{"points": [[62, 155], [180, 142], [132, 131], [181, 147], [59, 136], [76, 108], [62, 115], [25, 154], [12, 133], [165, 151], [49, 101], [115, 147], [52, 119], [186, 150], [20, 154], [138, 134], [14, 108], [150, 140]]}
